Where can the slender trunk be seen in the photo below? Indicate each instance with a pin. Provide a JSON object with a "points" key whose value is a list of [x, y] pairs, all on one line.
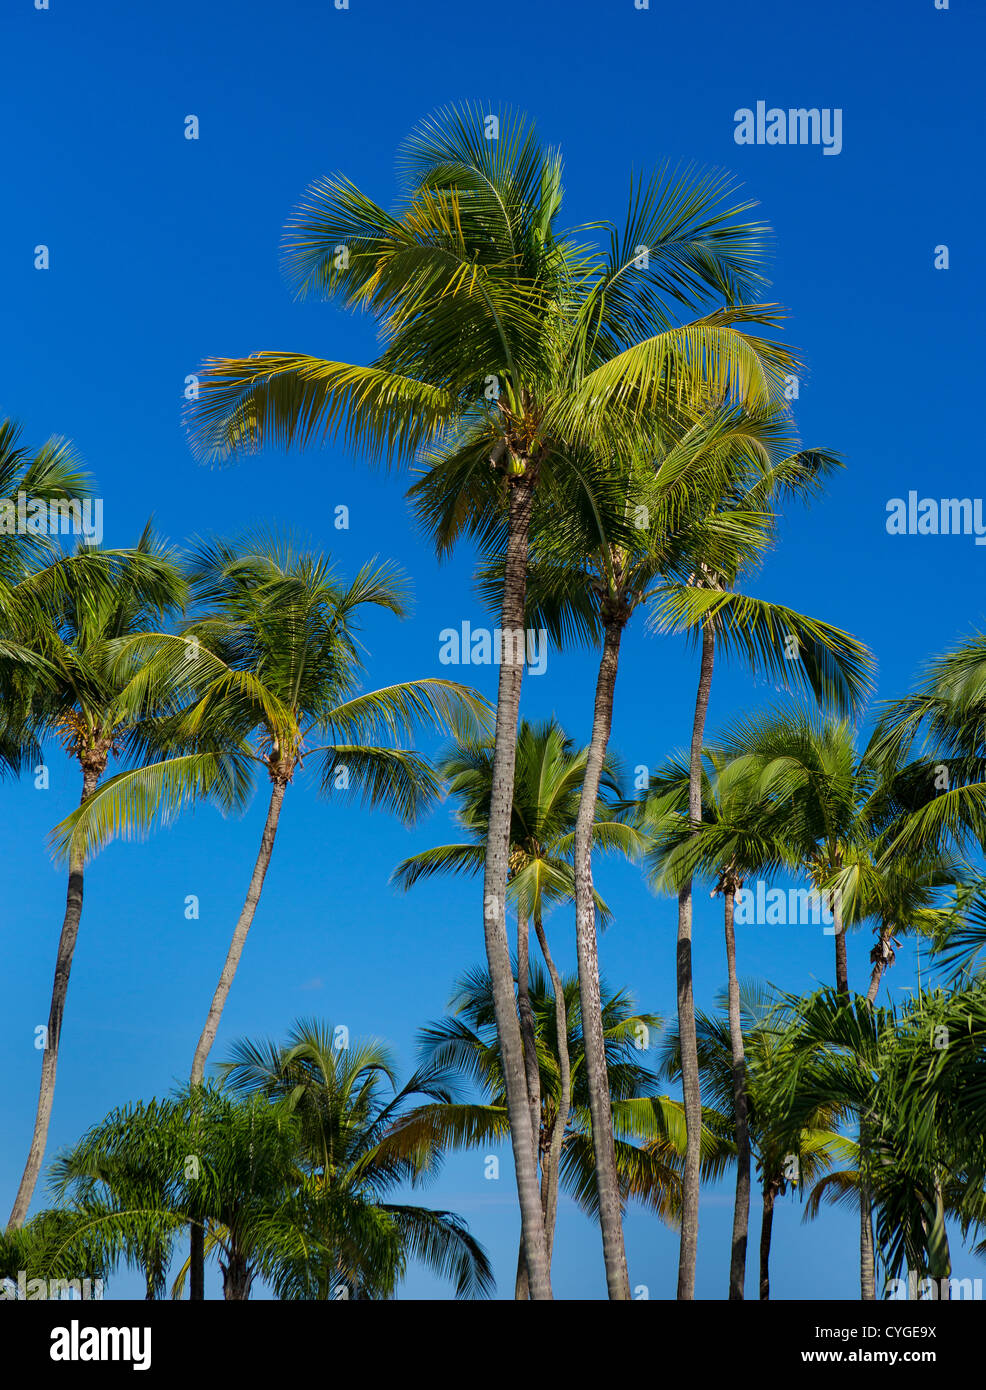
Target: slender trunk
{"points": [[882, 956], [875, 977], [691, 1091], [528, 1031], [495, 891], [597, 1078], [196, 1263], [841, 960], [867, 1270], [552, 1166], [766, 1229], [278, 786], [741, 1209], [529, 1041], [56, 1010], [245, 921]]}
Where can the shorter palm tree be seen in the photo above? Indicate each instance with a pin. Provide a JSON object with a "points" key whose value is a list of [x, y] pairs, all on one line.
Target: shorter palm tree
{"points": [[87, 617], [283, 1170], [547, 790], [354, 1146], [738, 835], [649, 1128], [787, 1151]]}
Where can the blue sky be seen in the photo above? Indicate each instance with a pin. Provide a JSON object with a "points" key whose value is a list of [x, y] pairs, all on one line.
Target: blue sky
{"points": [[163, 251]]}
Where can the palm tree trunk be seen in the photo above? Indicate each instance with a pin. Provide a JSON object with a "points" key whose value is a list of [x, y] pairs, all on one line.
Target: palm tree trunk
{"points": [[552, 1167], [56, 1010], [881, 956], [766, 1229], [529, 1042], [279, 783], [236, 1280], [691, 1091], [741, 1208], [495, 890], [245, 921], [841, 960], [867, 1270], [528, 1031], [876, 976], [597, 1078]]}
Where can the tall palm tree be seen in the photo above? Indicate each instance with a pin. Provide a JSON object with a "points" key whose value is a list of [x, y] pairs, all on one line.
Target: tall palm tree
{"points": [[546, 797], [94, 606], [506, 343], [355, 1145], [271, 667], [768, 637], [703, 485]]}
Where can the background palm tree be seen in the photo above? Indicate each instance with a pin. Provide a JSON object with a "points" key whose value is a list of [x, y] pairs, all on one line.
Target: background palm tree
{"points": [[648, 1127], [93, 605], [738, 836], [271, 667], [789, 1149], [355, 1145], [546, 797]]}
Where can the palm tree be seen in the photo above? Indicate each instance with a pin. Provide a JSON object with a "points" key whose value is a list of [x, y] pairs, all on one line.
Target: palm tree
{"points": [[131, 1185], [770, 637], [118, 1183], [932, 1093], [861, 1063], [788, 1149], [546, 795], [51, 474], [94, 605], [271, 665], [835, 801], [506, 343], [286, 1174], [701, 486], [354, 1146], [738, 837], [648, 1127]]}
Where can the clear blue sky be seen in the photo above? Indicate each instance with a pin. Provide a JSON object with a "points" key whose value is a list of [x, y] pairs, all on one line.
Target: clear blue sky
{"points": [[164, 251]]}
